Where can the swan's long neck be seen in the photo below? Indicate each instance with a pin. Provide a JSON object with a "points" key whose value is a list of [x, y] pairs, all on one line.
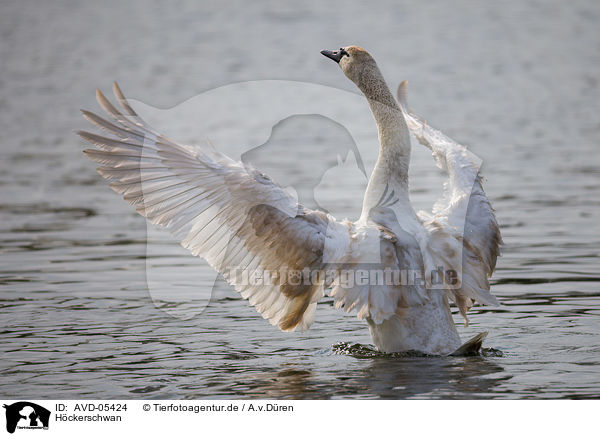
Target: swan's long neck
{"points": [[391, 169]]}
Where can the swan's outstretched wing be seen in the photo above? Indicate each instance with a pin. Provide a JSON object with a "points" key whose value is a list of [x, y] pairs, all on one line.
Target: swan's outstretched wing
{"points": [[235, 217], [463, 212]]}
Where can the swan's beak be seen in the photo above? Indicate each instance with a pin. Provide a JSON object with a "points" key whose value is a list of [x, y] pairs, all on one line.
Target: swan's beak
{"points": [[333, 55]]}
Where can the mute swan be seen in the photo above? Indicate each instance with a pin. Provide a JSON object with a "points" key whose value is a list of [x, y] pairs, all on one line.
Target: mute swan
{"points": [[238, 219]]}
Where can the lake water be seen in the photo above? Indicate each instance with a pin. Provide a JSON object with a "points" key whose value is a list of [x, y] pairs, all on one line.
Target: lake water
{"points": [[89, 309]]}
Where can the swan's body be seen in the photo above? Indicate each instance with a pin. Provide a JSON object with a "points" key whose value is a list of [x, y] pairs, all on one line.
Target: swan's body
{"points": [[240, 221]]}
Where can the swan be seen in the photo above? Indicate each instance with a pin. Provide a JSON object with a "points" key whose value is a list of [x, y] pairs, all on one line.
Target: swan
{"points": [[282, 257]]}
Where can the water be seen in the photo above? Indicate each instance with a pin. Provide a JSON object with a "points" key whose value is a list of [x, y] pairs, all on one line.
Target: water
{"points": [[516, 82]]}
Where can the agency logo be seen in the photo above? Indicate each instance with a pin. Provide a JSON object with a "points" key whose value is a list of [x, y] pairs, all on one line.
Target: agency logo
{"points": [[26, 415]]}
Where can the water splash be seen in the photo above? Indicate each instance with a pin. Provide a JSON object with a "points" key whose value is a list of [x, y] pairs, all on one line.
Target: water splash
{"points": [[361, 351]]}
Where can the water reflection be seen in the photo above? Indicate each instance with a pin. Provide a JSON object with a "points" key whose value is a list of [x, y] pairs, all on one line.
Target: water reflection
{"points": [[451, 377], [383, 378]]}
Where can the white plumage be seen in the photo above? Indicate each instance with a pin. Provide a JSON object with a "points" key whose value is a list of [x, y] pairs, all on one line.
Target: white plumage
{"points": [[243, 223]]}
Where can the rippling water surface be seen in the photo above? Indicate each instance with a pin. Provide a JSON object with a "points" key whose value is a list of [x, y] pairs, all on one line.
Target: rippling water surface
{"points": [[517, 83]]}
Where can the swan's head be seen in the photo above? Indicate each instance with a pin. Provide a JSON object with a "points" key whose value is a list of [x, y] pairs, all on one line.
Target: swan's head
{"points": [[355, 62]]}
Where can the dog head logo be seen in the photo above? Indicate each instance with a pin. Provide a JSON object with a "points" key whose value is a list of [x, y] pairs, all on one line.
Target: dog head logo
{"points": [[26, 415]]}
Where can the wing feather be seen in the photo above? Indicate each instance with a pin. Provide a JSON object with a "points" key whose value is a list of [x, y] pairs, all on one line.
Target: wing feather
{"points": [[230, 214], [464, 213]]}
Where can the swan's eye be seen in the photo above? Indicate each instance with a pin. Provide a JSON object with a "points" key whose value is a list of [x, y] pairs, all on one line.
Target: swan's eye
{"points": [[344, 52]]}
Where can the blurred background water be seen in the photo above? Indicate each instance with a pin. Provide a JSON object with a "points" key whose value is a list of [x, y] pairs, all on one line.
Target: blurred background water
{"points": [[515, 81]]}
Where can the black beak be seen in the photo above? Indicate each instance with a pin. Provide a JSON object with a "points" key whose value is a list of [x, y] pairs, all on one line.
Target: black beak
{"points": [[335, 55]]}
